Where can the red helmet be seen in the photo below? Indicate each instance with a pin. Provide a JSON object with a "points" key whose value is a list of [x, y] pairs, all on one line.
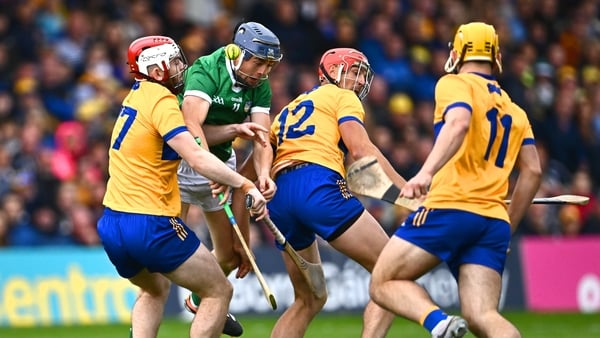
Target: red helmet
{"points": [[345, 59], [152, 50], [156, 50]]}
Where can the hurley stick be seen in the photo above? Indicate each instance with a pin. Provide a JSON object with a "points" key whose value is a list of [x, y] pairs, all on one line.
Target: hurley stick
{"points": [[366, 177], [560, 199], [261, 279], [312, 272]]}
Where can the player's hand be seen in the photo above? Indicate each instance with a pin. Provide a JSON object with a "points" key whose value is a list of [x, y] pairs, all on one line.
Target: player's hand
{"points": [[252, 131], [266, 186], [258, 204], [244, 266], [218, 188], [417, 187]]}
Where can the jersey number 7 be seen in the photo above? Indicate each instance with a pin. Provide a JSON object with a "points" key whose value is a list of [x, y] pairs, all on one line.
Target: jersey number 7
{"points": [[130, 113]]}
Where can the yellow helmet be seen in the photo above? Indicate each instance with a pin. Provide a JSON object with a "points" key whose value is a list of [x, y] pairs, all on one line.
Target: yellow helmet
{"points": [[475, 41]]}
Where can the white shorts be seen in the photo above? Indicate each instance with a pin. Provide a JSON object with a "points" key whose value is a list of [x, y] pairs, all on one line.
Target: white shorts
{"points": [[195, 189]]}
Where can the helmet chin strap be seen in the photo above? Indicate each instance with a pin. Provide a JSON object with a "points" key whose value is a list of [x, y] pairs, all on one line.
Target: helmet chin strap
{"points": [[450, 67], [253, 77], [176, 86], [165, 72], [235, 66], [326, 74], [237, 72]]}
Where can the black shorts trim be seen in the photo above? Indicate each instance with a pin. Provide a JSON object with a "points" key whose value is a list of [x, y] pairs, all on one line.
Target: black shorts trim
{"points": [[344, 227]]}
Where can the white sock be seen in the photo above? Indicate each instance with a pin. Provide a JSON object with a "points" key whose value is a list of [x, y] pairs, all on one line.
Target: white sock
{"points": [[441, 326]]}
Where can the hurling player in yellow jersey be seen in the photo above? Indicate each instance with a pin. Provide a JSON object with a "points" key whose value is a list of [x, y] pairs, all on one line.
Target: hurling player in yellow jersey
{"points": [[480, 136], [312, 137], [140, 229]]}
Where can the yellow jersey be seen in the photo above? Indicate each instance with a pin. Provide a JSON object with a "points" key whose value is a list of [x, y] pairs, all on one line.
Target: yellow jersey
{"points": [[142, 166], [306, 130], [475, 179]]}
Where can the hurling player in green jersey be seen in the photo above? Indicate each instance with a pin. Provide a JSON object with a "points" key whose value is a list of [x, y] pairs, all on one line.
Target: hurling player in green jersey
{"points": [[227, 95]]}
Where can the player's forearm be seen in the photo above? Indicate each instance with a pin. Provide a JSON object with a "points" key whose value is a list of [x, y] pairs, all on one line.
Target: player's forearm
{"points": [[210, 166], [263, 159], [200, 138], [446, 145], [389, 170], [525, 189], [196, 130], [364, 149], [217, 134]]}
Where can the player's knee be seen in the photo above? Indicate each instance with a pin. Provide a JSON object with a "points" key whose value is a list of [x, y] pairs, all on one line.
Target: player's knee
{"points": [[374, 292], [229, 263], [312, 303], [222, 290], [227, 290], [375, 279], [159, 289], [375, 287]]}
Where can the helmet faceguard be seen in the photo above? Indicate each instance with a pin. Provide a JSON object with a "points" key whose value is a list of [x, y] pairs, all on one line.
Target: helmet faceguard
{"points": [[161, 51], [255, 40], [353, 70], [475, 41]]}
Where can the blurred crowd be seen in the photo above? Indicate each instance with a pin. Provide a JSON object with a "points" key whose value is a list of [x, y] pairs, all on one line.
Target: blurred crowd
{"points": [[63, 75]]}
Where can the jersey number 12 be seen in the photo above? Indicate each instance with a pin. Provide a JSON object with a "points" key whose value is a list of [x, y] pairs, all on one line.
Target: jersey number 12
{"points": [[306, 108]]}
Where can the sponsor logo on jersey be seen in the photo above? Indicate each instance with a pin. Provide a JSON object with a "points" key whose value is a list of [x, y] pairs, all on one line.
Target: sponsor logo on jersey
{"points": [[247, 106], [218, 100]]}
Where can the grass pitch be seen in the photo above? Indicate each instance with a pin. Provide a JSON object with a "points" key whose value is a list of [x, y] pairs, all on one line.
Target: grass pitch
{"points": [[532, 325]]}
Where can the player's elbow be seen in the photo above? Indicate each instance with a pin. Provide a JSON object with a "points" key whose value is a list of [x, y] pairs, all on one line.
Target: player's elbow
{"points": [[186, 108], [198, 160], [535, 172], [532, 173], [361, 150]]}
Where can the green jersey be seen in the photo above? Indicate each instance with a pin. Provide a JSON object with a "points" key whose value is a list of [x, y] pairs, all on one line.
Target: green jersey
{"points": [[210, 77]]}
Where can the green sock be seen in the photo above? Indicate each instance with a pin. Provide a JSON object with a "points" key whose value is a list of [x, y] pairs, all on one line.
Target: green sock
{"points": [[195, 299]]}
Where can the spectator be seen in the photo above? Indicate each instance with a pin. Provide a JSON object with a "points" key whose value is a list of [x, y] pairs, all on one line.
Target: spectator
{"points": [[582, 185], [561, 133], [83, 225], [592, 224], [4, 229], [570, 221]]}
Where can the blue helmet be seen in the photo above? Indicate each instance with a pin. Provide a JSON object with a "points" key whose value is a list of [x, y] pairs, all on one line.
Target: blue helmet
{"points": [[258, 41]]}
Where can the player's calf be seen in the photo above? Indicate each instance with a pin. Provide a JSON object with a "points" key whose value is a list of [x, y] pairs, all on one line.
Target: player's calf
{"points": [[232, 326]]}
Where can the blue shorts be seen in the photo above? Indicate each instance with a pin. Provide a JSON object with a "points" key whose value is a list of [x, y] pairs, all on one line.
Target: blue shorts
{"points": [[458, 237], [135, 241], [312, 200]]}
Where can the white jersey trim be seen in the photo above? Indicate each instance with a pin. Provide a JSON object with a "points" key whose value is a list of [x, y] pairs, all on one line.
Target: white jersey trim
{"points": [[199, 94], [264, 110]]}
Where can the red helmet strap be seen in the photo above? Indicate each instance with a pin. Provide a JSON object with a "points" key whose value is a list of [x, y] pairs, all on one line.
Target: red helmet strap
{"points": [[165, 72], [326, 74]]}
